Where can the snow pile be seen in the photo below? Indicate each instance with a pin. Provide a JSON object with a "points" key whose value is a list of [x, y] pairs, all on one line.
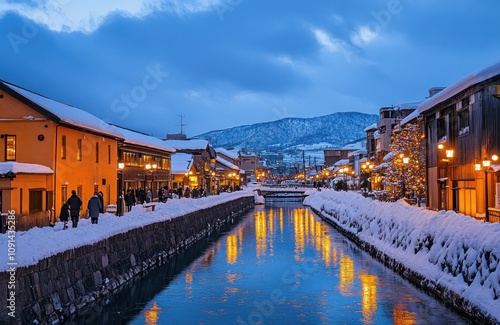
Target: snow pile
{"points": [[37, 243], [448, 248]]}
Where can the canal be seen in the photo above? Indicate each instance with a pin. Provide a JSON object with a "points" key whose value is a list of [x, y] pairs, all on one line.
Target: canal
{"points": [[280, 264]]}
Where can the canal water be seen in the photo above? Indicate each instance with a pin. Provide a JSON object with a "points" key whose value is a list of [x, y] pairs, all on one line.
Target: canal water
{"points": [[280, 264]]}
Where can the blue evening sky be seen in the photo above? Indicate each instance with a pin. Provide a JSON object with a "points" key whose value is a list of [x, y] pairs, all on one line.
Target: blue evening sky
{"points": [[224, 63]]}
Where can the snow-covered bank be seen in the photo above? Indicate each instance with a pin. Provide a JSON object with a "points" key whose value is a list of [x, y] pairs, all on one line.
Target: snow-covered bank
{"points": [[37, 243], [447, 248]]}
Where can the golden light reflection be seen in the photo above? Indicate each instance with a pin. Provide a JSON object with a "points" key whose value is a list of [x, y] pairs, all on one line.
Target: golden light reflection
{"points": [[325, 251], [346, 274], [271, 233], [368, 296], [208, 258], [260, 234], [299, 234], [281, 222], [151, 315], [402, 316], [231, 249], [189, 277]]}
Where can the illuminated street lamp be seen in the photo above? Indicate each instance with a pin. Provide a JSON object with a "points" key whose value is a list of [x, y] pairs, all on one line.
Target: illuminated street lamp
{"points": [[485, 166]]}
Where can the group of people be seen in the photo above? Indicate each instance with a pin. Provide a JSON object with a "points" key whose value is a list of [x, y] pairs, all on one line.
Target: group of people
{"points": [[71, 209]]}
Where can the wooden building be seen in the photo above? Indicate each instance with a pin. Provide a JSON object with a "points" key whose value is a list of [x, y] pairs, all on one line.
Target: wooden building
{"points": [[144, 162], [462, 132]]}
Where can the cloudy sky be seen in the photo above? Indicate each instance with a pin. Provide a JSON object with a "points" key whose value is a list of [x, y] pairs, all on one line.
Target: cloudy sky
{"points": [[223, 63]]}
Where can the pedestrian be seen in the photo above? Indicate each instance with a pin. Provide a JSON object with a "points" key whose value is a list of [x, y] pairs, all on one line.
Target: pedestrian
{"points": [[179, 192], [149, 196], [130, 200], [187, 192], [64, 215], [100, 195], [74, 203], [94, 207]]}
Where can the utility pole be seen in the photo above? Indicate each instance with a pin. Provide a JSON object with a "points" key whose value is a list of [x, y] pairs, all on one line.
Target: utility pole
{"points": [[304, 163], [182, 124]]}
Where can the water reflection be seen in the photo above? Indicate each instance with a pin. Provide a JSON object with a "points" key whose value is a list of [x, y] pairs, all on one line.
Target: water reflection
{"points": [[283, 265]]}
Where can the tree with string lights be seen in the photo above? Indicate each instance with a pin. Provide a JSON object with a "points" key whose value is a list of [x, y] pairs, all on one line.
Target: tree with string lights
{"points": [[405, 173]]}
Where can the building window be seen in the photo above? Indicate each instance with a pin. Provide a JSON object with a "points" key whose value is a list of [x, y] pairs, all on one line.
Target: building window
{"points": [[35, 200], [463, 121], [109, 154], [10, 147], [97, 152], [463, 116], [79, 150], [63, 147], [64, 194]]}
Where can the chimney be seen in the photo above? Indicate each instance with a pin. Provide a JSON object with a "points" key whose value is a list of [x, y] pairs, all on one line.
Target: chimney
{"points": [[435, 90]]}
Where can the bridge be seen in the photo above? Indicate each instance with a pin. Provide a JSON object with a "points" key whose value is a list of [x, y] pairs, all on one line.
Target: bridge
{"points": [[282, 191]]}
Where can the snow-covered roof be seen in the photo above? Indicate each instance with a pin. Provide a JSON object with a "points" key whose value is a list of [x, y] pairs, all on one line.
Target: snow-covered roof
{"points": [[181, 163], [140, 139], [353, 146], [227, 163], [357, 152], [370, 127], [229, 153], [188, 144], [68, 114], [470, 80], [23, 168], [341, 162], [409, 105]]}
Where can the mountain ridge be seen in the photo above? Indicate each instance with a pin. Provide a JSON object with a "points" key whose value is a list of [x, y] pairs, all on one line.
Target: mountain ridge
{"points": [[333, 130]]}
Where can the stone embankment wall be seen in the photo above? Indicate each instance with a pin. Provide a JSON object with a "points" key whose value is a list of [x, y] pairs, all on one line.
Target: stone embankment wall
{"points": [[58, 286], [437, 290]]}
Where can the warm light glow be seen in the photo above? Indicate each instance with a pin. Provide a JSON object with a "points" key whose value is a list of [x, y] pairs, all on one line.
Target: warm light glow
{"points": [[477, 166], [440, 146], [148, 166], [406, 160], [494, 157], [369, 296], [121, 165], [151, 315], [486, 162], [154, 166], [231, 249], [450, 153]]}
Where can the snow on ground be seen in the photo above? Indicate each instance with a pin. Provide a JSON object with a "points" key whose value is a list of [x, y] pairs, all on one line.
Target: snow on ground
{"points": [[37, 243], [446, 247]]}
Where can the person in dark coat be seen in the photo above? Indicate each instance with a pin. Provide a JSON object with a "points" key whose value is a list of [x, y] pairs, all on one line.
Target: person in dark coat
{"points": [[129, 200], [100, 195], [75, 203], [94, 206], [64, 215]]}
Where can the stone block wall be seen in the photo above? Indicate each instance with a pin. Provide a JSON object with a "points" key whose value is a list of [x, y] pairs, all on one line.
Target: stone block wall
{"points": [[58, 286]]}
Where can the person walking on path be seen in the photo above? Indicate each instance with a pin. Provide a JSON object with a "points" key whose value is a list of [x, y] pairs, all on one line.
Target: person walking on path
{"points": [[129, 200], [75, 203], [64, 215], [94, 206], [100, 195]]}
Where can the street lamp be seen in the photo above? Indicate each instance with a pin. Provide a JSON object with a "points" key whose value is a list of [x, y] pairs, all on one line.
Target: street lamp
{"points": [[486, 164], [406, 160]]}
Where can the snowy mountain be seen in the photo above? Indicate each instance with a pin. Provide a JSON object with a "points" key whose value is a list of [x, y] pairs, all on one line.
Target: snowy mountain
{"points": [[295, 134]]}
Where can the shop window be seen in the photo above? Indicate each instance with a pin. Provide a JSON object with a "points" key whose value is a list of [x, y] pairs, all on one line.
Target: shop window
{"points": [[79, 150]]}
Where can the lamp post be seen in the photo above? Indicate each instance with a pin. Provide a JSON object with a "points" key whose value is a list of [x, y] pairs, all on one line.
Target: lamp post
{"points": [[345, 170], [406, 160], [486, 164]]}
